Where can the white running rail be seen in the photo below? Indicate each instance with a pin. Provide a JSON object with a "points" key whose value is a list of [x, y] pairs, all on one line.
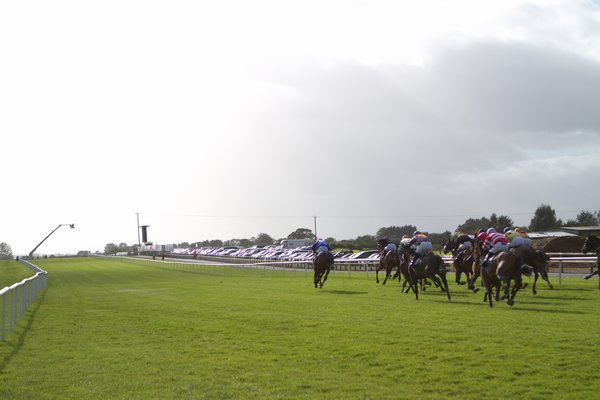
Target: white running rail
{"points": [[15, 299]]}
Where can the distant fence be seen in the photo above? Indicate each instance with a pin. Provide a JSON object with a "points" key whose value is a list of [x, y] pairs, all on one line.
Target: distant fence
{"points": [[18, 297], [559, 263]]}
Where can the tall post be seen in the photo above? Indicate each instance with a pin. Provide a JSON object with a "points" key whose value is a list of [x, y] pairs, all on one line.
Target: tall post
{"points": [[315, 220], [138, 230]]}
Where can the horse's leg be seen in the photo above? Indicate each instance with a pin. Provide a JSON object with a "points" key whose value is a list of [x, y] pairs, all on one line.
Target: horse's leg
{"points": [[317, 279], [544, 275], [535, 278], [476, 273], [507, 293], [488, 289], [457, 274], [388, 272], [325, 276], [592, 274], [413, 282], [445, 285], [437, 282]]}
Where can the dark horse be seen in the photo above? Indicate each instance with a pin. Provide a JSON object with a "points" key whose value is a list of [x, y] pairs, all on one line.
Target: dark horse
{"points": [[535, 259], [592, 243], [431, 266], [504, 268], [462, 265], [322, 265], [390, 261]]}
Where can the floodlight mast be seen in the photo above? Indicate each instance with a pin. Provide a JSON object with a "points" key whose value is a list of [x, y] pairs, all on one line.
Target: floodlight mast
{"points": [[43, 240]]}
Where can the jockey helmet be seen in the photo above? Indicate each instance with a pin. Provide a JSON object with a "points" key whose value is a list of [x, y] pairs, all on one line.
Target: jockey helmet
{"points": [[506, 229], [480, 230], [491, 230], [416, 233]]}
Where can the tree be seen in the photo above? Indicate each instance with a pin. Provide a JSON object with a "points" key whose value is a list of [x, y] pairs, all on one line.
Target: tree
{"points": [[500, 222], [544, 218], [366, 242], [473, 225], [245, 243], [263, 240], [586, 218], [111, 248], [5, 252], [438, 240], [395, 233], [504, 221], [302, 233]]}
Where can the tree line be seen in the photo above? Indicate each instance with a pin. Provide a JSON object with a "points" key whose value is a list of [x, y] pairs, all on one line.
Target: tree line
{"points": [[544, 218]]}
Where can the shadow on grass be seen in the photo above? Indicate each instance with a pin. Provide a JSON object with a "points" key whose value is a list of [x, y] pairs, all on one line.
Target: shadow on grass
{"points": [[502, 303], [23, 335], [573, 289], [544, 297], [344, 292]]}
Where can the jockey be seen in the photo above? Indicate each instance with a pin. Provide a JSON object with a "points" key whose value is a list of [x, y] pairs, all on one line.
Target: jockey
{"points": [[404, 242], [463, 242], [514, 238], [320, 246], [385, 246], [524, 235], [495, 243], [421, 245]]}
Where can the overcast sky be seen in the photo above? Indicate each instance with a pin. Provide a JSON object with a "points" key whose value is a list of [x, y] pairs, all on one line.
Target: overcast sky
{"points": [[226, 119]]}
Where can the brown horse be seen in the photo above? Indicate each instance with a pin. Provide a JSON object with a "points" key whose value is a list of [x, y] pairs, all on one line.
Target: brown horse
{"points": [[462, 265], [535, 259], [503, 269], [477, 256], [592, 243], [431, 266], [389, 262], [322, 265]]}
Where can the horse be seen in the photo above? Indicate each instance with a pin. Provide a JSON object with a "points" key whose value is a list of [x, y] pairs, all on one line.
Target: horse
{"points": [[431, 266], [462, 265], [477, 254], [592, 243], [535, 259], [322, 265], [504, 268], [390, 261]]}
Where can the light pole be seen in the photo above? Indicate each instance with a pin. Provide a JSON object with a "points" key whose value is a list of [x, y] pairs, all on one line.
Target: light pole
{"points": [[315, 220], [40, 243], [138, 221]]}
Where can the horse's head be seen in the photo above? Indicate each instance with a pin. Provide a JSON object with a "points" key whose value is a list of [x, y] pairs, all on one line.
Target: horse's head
{"points": [[591, 243], [449, 246]]}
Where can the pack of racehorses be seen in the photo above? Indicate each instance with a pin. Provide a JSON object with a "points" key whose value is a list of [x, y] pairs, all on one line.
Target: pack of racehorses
{"points": [[502, 275]]}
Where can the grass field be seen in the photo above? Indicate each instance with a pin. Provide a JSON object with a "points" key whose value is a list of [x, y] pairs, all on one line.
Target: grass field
{"points": [[109, 329], [12, 271]]}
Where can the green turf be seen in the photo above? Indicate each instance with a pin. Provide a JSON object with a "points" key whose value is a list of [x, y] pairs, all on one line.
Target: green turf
{"points": [[107, 329], [11, 271]]}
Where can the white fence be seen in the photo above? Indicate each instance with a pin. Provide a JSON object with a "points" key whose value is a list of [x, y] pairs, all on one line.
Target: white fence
{"points": [[362, 265], [17, 298]]}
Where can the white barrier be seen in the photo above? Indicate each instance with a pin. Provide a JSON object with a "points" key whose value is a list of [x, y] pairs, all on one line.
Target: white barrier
{"points": [[349, 265], [18, 297]]}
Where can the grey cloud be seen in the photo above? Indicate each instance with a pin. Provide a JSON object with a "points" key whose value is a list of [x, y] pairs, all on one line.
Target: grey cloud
{"points": [[441, 137]]}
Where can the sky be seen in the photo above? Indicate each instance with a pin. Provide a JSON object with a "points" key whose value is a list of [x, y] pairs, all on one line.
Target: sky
{"points": [[227, 119]]}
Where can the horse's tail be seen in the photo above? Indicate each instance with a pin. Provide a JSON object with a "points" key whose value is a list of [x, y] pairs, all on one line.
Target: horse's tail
{"points": [[526, 270], [442, 265]]}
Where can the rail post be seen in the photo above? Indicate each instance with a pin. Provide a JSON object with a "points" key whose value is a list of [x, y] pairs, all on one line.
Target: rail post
{"points": [[3, 315], [560, 270]]}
